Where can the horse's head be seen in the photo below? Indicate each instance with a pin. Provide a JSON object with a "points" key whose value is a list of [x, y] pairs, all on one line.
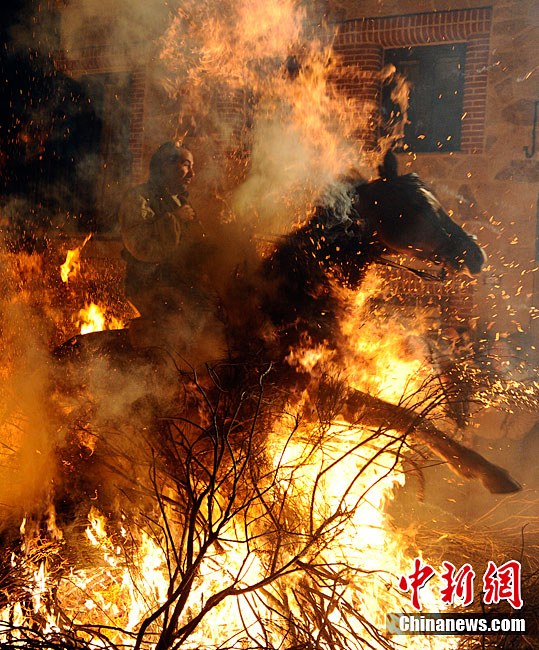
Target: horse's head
{"points": [[405, 217], [398, 214]]}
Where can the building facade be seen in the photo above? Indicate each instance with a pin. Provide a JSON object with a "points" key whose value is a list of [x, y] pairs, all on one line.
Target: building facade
{"points": [[490, 180]]}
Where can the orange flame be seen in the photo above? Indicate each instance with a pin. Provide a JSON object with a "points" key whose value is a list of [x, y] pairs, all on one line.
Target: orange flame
{"points": [[305, 130], [93, 318], [71, 267]]}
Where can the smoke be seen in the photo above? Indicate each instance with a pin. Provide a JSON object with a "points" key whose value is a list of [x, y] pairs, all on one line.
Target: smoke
{"points": [[49, 408], [282, 178], [128, 28], [65, 424], [302, 132], [29, 426], [246, 80]]}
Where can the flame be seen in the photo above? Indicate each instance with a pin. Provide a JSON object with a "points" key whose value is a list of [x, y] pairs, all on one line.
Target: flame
{"points": [[71, 267], [327, 486], [400, 89], [391, 362], [129, 586], [337, 489], [385, 357], [93, 318], [332, 481], [354, 474], [305, 130]]}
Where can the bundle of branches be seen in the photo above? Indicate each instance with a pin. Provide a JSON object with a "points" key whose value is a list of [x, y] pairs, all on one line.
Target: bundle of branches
{"points": [[240, 511]]}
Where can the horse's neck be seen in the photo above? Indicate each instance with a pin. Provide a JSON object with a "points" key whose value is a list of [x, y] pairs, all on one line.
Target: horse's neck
{"points": [[294, 289], [302, 305]]}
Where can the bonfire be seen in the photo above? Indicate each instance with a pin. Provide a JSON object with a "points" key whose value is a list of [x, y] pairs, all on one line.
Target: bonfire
{"points": [[158, 498]]}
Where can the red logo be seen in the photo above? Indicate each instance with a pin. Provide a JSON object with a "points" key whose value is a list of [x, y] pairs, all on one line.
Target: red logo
{"points": [[499, 583], [458, 584], [503, 583], [416, 581]]}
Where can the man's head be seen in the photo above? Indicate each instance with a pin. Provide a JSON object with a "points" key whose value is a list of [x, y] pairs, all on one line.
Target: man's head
{"points": [[171, 167]]}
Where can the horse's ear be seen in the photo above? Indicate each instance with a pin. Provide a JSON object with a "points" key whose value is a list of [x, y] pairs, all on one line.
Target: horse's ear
{"points": [[388, 170]]}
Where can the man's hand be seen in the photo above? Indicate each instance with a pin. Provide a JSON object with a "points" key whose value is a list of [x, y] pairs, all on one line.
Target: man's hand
{"points": [[185, 213]]}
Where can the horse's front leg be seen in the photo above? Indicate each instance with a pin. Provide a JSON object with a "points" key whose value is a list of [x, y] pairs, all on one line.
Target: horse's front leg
{"points": [[359, 407]]}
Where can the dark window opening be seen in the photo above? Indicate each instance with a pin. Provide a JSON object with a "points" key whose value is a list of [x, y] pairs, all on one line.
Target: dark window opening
{"points": [[436, 75], [64, 148]]}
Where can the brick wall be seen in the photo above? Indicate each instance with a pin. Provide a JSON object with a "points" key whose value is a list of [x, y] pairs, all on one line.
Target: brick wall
{"points": [[358, 81], [136, 135], [232, 107], [103, 59], [360, 43]]}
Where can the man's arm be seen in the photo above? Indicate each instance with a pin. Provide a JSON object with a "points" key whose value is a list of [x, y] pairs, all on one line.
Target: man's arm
{"points": [[150, 237]]}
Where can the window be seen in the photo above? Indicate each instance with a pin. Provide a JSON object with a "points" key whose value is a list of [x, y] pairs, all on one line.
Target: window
{"points": [[436, 73]]}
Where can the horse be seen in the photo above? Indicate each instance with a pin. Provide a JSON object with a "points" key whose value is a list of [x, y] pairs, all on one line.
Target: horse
{"points": [[393, 214], [293, 296]]}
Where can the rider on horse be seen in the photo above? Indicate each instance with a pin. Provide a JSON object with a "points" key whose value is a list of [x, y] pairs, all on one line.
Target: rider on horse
{"points": [[162, 237]]}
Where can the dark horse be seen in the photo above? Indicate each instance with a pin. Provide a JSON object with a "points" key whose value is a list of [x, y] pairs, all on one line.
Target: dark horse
{"points": [[398, 214], [292, 297]]}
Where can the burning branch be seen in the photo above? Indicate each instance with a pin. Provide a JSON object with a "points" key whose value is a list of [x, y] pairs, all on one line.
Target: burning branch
{"points": [[247, 516]]}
